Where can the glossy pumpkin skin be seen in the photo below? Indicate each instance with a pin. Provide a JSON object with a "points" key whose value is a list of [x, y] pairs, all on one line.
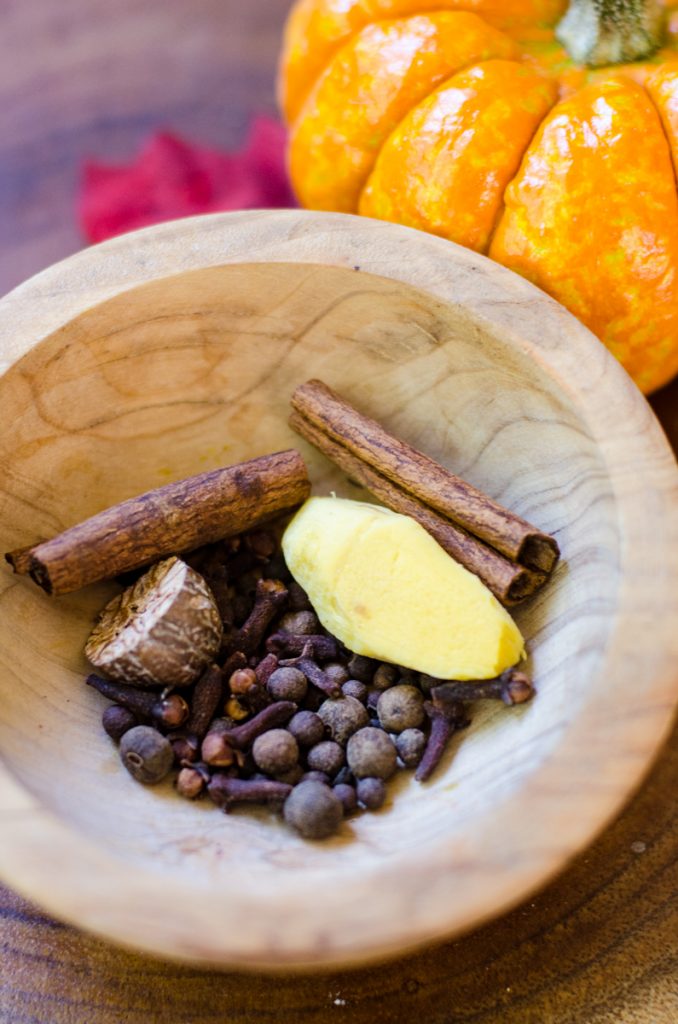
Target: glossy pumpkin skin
{"points": [[466, 119]]}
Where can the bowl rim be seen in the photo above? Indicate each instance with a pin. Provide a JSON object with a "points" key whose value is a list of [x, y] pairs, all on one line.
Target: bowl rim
{"points": [[600, 759]]}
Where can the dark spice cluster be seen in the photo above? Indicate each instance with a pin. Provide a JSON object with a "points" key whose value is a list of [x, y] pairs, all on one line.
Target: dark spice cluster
{"points": [[285, 715]]}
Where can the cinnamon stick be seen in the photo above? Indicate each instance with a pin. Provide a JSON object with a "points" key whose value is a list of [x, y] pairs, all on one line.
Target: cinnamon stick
{"points": [[509, 582], [178, 517], [424, 478]]}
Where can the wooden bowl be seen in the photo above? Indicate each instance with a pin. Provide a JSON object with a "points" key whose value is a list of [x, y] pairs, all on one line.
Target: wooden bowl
{"points": [[174, 350]]}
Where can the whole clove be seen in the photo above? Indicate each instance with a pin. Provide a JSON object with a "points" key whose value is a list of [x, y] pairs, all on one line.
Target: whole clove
{"points": [[226, 791], [313, 672], [170, 712], [289, 645], [271, 597], [444, 722], [265, 669], [511, 687], [277, 714]]}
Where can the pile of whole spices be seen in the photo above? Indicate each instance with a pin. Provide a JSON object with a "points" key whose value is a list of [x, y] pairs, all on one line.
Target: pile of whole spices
{"points": [[281, 713]]}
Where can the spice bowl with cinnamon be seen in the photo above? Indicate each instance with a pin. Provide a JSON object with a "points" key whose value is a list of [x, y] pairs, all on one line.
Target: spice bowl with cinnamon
{"points": [[168, 401]]}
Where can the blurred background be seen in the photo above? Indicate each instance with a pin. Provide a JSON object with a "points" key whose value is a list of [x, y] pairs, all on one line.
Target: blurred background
{"points": [[88, 79]]}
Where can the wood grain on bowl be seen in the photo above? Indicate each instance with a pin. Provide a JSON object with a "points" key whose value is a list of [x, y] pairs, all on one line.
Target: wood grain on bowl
{"points": [[174, 351]]}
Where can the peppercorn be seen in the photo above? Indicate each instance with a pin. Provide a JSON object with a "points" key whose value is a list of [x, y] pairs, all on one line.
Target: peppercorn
{"points": [[361, 668], [385, 676], [287, 684], [307, 728], [146, 754], [343, 717], [410, 745], [371, 793], [117, 720], [347, 795], [314, 810], [275, 751], [242, 681], [354, 688], [327, 756], [401, 707], [300, 623], [370, 752], [337, 672]]}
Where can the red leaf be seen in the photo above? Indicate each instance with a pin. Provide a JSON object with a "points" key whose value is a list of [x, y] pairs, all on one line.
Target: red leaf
{"points": [[174, 178]]}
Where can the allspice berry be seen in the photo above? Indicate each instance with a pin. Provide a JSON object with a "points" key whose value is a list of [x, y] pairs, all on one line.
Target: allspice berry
{"points": [[385, 676], [303, 623], [117, 720], [347, 795], [410, 745], [370, 752], [275, 752], [314, 810], [146, 754], [354, 688], [336, 672], [327, 757], [401, 707], [342, 717], [307, 728], [371, 793], [361, 668], [287, 684]]}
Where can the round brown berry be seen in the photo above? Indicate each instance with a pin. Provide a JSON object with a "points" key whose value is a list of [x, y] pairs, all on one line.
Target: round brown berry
{"points": [[313, 810], [146, 754], [370, 752], [401, 707]]}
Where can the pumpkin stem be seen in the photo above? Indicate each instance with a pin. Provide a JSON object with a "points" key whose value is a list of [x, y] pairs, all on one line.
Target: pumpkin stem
{"points": [[598, 32]]}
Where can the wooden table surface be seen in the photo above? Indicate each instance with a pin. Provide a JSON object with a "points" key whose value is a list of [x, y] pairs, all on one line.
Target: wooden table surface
{"points": [[600, 944]]}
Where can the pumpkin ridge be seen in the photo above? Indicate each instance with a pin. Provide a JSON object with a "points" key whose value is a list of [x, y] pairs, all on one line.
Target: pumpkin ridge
{"points": [[670, 141], [352, 111]]}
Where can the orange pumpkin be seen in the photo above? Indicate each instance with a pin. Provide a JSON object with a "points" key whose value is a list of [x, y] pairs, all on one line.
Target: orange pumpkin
{"points": [[469, 119]]}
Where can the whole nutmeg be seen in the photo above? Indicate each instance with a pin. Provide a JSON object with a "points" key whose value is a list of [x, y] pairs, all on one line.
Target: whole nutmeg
{"points": [[410, 745], [371, 793], [385, 676], [347, 795], [336, 672], [117, 720], [370, 752], [354, 688], [146, 754], [287, 684], [162, 631], [275, 751], [307, 728], [401, 707], [327, 757], [314, 810], [303, 623], [342, 717]]}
